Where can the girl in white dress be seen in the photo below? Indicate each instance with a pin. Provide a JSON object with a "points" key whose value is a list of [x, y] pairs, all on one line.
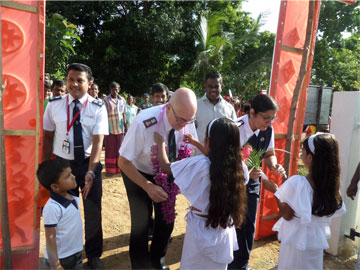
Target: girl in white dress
{"points": [[308, 203], [215, 186]]}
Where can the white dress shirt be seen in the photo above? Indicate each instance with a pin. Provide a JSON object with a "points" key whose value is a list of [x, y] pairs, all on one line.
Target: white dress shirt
{"points": [[206, 112], [93, 119], [136, 146]]}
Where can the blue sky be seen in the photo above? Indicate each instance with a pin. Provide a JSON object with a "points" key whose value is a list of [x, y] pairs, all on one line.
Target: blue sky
{"points": [[271, 7]]}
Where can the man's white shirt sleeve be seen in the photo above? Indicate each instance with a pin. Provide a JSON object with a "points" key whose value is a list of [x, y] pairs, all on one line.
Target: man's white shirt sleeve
{"points": [[133, 143], [102, 124]]}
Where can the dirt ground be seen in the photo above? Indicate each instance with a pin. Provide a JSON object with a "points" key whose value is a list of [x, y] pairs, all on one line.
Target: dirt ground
{"points": [[116, 229]]}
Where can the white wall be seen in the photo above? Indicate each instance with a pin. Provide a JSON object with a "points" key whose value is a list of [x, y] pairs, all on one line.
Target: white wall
{"points": [[345, 124]]}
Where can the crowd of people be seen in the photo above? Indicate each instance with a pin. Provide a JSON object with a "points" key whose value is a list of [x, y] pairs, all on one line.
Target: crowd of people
{"points": [[196, 145]]}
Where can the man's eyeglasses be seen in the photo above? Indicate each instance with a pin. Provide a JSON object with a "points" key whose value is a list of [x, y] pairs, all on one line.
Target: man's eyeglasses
{"points": [[180, 119], [268, 119]]}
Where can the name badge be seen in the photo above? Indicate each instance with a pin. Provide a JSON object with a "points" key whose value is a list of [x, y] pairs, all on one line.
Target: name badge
{"points": [[66, 147]]}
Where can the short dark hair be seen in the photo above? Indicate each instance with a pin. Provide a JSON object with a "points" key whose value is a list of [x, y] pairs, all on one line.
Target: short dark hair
{"points": [[49, 171], [159, 87], [82, 68], [214, 75], [114, 85], [58, 82]]}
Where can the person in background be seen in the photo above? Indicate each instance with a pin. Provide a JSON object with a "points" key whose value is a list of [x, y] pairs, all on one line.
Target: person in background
{"points": [[77, 136], [61, 215], [212, 105], [353, 187], [58, 88], [94, 91], [47, 93], [130, 111], [146, 104], [159, 94], [115, 106]]}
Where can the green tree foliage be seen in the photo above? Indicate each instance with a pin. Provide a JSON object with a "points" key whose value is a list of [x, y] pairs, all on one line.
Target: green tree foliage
{"points": [[60, 37], [232, 44], [337, 58], [139, 43], [136, 43]]}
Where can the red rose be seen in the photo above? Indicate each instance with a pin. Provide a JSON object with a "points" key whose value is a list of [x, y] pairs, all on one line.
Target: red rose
{"points": [[246, 152]]}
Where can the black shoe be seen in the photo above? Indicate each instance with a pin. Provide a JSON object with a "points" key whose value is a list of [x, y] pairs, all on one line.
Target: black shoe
{"points": [[160, 264], [95, 263]]}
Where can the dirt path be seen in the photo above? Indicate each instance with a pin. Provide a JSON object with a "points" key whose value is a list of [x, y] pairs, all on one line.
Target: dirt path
{"points": [[116, 227]]}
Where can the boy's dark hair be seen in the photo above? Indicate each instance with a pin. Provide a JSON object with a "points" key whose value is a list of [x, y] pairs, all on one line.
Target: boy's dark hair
{"points": [[114, 85], [228, 191], [49, 171], [214, 75], [159, 87], [325, 173], [57, 82], [82, 68], [263, 103]]}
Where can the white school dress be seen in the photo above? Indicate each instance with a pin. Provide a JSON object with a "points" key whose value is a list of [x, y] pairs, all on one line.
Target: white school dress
{"points": [[304, 237], [204, 247]]}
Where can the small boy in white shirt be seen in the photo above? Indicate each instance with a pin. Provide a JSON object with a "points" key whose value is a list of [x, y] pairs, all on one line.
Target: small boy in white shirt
{"points": [[62, 220]]}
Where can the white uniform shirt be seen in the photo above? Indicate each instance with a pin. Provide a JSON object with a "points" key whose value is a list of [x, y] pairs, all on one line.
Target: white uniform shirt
{"points": [[65, 215], [206, 112], [93, 118], [246, 132], [137, 143]]}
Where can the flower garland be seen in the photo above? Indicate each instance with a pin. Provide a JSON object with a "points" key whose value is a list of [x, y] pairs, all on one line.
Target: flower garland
{"points": [[160, 178]]}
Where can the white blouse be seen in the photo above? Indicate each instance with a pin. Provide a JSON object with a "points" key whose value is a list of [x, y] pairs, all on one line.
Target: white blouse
{"points": [[304, 231]]}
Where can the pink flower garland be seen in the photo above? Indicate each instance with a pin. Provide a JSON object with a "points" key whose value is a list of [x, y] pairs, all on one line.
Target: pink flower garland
{"points": [[168, 206]]}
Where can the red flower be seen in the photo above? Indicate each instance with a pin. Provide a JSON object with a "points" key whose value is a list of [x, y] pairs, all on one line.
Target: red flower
{"points": [[246, 152]]}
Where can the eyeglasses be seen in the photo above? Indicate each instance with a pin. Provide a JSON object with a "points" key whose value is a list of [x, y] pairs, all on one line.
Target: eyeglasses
{"points": [[268, 119], [180, 119]]}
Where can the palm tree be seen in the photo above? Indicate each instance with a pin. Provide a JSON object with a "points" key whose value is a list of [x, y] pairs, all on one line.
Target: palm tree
{"points": [[211, 40]]}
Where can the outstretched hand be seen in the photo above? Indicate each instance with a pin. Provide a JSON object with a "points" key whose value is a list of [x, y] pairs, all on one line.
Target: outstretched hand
{"points": [[188, 138], [352, 190], [279, 170]]}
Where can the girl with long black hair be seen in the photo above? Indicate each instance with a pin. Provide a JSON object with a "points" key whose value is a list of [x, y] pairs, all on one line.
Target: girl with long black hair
{"points": [[215, 186]]}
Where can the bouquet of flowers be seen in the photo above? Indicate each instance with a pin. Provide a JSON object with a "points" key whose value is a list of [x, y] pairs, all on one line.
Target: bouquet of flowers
{"points": [[252, 157]]}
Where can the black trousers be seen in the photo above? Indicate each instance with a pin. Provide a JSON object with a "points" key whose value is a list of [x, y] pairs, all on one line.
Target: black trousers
{"points": [[245, 235], [92, 207], [140, 210], [72, 262]]}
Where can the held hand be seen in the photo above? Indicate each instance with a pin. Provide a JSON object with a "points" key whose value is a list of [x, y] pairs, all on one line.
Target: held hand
{"points": [[255, 173], [158, 139], [156, 193], [89, 179], [351, 191], [279, 170]]}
